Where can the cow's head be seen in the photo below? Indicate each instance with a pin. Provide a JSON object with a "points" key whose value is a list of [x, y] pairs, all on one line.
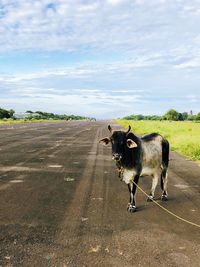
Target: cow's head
{"points": [[119, 140]]}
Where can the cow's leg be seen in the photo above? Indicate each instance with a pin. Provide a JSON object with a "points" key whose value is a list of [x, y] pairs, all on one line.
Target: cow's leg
{"points": [[164, 175], [165, 162], [132, 189], [153, 187]]}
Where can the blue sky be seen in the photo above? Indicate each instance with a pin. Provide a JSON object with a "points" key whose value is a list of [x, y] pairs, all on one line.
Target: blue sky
{"points": [[100, 58]]}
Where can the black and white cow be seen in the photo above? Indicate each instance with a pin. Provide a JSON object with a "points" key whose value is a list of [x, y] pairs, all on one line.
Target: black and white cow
{"points": [[135, 157]]}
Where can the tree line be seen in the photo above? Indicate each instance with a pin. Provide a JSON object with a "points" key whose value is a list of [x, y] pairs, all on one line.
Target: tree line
{"points": [[40, 115], [6, 114], [37, 115], [171, 115]]}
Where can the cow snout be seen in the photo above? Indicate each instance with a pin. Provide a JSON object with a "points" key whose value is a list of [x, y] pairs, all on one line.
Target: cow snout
{"points": [[117, 156]]}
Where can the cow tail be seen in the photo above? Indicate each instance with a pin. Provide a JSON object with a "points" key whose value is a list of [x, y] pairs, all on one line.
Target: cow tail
{"points": [[165, 161]]}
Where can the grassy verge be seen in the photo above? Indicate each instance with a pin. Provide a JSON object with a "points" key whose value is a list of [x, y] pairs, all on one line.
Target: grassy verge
{"points": [[184, 137]]}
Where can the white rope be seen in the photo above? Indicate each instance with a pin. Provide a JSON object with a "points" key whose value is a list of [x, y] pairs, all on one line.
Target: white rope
{"points": [[170, 212]]}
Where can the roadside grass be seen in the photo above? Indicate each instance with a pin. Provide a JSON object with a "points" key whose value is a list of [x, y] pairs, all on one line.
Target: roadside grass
{"points": [[184, 137]]}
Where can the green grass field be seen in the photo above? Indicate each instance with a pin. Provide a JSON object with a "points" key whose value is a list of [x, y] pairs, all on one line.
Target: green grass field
{"points": [[184, 137]]}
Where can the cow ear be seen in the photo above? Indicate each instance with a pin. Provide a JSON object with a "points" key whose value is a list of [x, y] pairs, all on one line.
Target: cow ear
{"points": [[105, 141], [130, 143]]}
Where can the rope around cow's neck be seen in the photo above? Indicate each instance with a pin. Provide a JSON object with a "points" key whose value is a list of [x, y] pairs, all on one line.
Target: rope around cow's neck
{"points": [[160, 206]]}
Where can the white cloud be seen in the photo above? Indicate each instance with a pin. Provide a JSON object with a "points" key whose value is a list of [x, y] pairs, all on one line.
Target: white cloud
{"points": [[87, 69], [116, 2], [193, 98], [143, 44], [188, 64], [67, 25]]}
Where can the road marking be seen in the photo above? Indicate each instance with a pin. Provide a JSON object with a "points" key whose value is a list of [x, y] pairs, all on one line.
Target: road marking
{"points": [[97, 198], [52, 156], [69, 179], [107, 250], [55, 166], [16, 181], [16, 168], [73, 215], [76, 162], [181, 186], [84, 219], [32, 151], [94, 249]]}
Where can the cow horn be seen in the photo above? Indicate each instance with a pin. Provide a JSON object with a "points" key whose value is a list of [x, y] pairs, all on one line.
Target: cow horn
{"points": [[109, 128], [129, 128]]}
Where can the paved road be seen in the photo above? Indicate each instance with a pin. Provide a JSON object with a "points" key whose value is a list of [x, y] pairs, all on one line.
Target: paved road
{"points": [[61, 203]]}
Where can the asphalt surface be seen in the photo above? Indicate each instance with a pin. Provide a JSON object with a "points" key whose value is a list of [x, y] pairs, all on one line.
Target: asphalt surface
{"points": [[62, 204]]}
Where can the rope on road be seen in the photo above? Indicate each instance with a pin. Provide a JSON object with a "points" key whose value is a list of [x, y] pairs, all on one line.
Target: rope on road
{"points": [[163, 208]]}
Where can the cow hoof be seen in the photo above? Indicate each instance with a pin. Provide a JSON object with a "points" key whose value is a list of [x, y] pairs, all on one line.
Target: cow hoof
{"points": [[131, 208], [150, 198], [164, 197]]}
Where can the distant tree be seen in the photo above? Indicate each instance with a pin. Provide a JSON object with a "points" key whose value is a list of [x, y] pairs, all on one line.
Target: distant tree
{"points": [[197, 117], [185, 115], [6, 114], [140, 117], [180, 117], [11, 113], [191, 117], [172, 114], [143, 117], [39, 112]]}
